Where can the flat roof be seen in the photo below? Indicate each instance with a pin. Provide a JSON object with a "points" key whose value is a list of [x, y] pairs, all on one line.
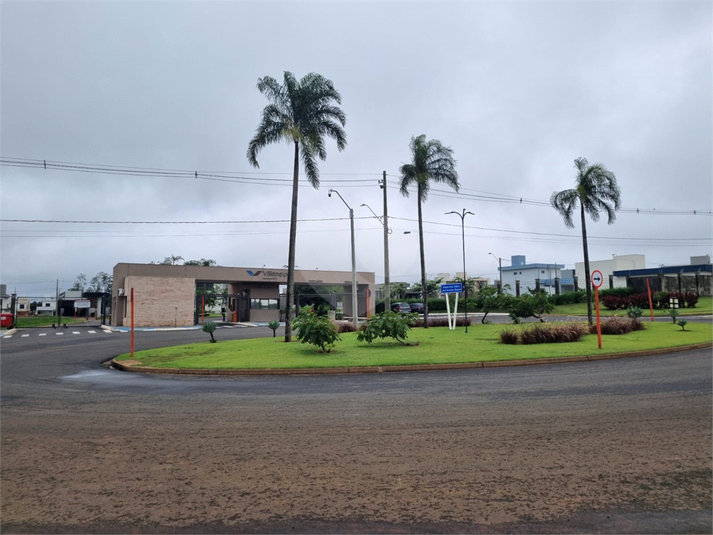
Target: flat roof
{"points": [[664, 270]]}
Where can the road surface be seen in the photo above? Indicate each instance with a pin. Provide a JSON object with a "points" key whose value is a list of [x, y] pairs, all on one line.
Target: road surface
{"points": [[618, 446]]}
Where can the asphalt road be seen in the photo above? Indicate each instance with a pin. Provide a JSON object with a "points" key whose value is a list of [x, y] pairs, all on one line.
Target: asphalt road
{"points": [[618, 446]]}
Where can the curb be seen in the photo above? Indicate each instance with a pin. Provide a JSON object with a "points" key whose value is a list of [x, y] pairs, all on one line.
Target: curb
{"points": [[407, 368], [8, 333]]}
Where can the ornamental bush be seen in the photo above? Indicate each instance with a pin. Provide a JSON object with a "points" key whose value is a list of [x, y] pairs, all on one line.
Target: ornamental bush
{"points": [[315, 330], [386, 325]]}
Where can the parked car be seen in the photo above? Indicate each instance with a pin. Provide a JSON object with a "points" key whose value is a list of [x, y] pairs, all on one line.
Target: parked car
{"points": [[403, 308], [417, 307]]}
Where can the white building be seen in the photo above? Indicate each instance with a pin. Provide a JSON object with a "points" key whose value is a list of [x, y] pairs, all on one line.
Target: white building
{"points": [[47, 306], [521, 276], [625, 262]]}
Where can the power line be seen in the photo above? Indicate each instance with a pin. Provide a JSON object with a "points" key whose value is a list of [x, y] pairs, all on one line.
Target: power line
{"points": [[261, 178]]}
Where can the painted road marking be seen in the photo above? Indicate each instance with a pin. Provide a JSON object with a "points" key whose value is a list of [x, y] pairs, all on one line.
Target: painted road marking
{"points": [[75, 332], [25, 335], [92, 332], [43, 334], [8, 336], [60, 334]]}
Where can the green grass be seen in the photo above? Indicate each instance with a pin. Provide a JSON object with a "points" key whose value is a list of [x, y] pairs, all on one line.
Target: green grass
{"points": [[704, 306], [436, 345], [46, 321]]}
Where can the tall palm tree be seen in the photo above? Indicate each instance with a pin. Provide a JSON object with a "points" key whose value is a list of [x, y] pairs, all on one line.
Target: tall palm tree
{"points": [[431, 162], [300, 112], [596, 190]]}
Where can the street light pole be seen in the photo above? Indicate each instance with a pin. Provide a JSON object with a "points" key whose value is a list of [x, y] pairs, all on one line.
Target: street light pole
{"points": [[500, 268], [465, 276], [355, 308], [387, 231]]}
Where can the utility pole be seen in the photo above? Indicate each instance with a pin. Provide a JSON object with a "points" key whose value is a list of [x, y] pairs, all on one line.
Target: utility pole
{"points": [[13, 309], [57, 307], [387, 281], [465, 276], [500, 268]]}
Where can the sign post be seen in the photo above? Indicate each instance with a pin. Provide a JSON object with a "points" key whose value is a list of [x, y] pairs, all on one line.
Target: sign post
{"points": [[455, 288], [597, 280]]}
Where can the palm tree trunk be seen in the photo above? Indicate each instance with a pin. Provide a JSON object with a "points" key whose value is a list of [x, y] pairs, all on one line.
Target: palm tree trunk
{"points": [[291, 252], [424, 282], [587, 274]]}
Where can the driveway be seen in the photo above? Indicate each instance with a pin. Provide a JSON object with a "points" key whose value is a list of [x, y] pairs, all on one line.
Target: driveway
{"points": [[610, 446]]}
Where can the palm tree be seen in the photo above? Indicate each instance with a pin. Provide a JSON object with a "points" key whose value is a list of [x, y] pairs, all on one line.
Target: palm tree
{"points": [[596, 190], [432, 162], [300, 112]]}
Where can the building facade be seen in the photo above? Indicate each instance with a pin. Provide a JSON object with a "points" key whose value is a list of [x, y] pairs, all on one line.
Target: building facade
{"points": [[165, 296], [521, 277]]}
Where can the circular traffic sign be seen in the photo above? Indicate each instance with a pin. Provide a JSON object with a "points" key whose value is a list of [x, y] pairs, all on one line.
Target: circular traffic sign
{"points": [[597, 278]]}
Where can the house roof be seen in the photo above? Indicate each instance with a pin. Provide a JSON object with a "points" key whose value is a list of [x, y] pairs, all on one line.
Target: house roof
{"points": [[664, 270], [533, 266]]}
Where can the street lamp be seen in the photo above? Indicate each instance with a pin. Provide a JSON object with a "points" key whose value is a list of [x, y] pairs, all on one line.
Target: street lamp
{"points": [[500, 268], [355, 309], [465, 278], [387, 281]]}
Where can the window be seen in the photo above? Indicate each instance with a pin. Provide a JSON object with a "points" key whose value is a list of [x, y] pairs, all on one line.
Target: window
{"points": [[264, 304], [543, 271]]}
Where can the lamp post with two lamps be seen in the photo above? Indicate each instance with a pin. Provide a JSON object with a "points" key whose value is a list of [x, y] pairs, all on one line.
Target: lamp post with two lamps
{"points": [[387, 281], [355, 308], [465, 277]]}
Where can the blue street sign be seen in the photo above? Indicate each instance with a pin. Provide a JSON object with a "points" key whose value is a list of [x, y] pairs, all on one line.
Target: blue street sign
{"points": [[455, 288]]}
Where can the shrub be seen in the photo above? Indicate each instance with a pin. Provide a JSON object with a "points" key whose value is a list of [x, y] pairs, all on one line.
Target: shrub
{"points": [[673, 312], [210, 327], [316, 330], [508, 336], [639, 300], [534, 304], [345, 327], [637, 325], [691, 299], [274, 325], [634, 312], [386, 325], [618, 326], [554, 333], [682, 323], [660, 299], [618, 292], [614, 302], [569, 298]]}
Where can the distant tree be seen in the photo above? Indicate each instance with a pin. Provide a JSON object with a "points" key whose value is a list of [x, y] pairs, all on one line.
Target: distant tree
{"points": [[302, 113], [398, 289], [202, 262], [433, 287], [595, 190], [171, 260], [81, 283], [430, 162], [101, 282]]}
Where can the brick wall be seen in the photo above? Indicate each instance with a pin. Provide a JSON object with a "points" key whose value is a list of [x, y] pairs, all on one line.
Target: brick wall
{"points": [[160, 301]]}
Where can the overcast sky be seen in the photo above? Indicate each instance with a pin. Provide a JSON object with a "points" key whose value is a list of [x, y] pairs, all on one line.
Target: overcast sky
{"points": [[518, 90]]}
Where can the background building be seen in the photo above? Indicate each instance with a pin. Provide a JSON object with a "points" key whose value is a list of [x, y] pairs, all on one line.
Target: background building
{"points": [[522, 277]]}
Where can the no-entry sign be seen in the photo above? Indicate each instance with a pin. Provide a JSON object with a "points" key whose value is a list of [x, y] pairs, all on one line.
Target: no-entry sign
{"points": [[597, 278]]}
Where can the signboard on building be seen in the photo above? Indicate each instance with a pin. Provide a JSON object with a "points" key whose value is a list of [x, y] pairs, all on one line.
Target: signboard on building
{"points": [[82, 303]]}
